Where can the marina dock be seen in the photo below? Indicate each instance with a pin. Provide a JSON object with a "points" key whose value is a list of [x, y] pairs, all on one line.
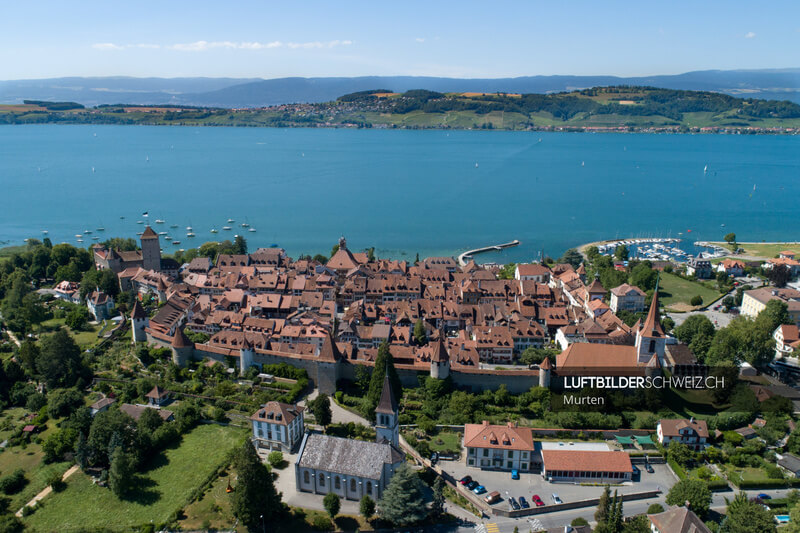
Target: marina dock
{"points": [[462, 258]]}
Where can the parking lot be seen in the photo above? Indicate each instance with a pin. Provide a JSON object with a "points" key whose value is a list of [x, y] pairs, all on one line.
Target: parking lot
{"points": [[529, 484]]}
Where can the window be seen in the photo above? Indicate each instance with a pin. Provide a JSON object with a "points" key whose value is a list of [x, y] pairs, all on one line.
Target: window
{"points": [[322, 480], [486, 452], [510, 464], [369, 487], [652, 346], [337, 483], [352, 484], [306, 477]]}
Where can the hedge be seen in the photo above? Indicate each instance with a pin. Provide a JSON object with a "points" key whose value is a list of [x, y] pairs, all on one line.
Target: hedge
{"points": [[678, 469]]}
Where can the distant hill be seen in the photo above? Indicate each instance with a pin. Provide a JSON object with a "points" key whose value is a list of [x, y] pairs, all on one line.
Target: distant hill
{"points": [[775, 84]]}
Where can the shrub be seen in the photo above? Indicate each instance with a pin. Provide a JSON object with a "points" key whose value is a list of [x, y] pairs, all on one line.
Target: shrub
{"points": [[696, 300], [580, 521], [275, 459], [321, 523], [654, 509], [56, 482], [13, 482]]}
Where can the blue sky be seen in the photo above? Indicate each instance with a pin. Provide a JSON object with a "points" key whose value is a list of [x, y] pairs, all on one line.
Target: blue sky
{"points": [[461, 39]]}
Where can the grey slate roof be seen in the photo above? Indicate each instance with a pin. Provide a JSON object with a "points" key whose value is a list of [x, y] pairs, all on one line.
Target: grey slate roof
{"points": [[347, 456], [790, 462], [388, 403]]}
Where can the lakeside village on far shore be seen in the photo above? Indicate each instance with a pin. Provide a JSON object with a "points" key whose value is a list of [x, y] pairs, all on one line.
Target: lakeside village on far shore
{"points": [[408, 336]]}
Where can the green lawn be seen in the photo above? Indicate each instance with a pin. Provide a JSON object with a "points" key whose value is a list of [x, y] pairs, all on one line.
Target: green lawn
{"points": [[446, 441], [677, 292], [169, 480], [765, 250], [84, 339]]}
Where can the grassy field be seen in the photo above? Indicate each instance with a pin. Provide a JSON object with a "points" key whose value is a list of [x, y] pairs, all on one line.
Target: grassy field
{"points": [[677, 292], [169, 479], [85, 338], [766, 250], [446, 441]]}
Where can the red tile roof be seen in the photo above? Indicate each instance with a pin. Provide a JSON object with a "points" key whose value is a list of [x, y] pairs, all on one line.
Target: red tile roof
{"points": [[508, 437], [586, 461]]}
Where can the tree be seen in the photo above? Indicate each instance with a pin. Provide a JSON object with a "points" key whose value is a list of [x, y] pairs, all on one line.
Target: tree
{"points": [[573, 257], [655, 508], [332, 504], [149, 421], [420, 335], [730, 238], [59, 362], [403, 502], [507, 271], [437, 507], [746, 516], [637, 524], [621, 253], [110, 430], [643, 276], [321, 408], [27, 355], [63, 402], [794, 520], [779, 275], [11, 524], [384, 365], [240, 245], [691, 490], [255, 495], [604, 505], [77, 319], [775, 313], [367, 507], [696, 300], [680, 453], [275, 458], [121, 475]]}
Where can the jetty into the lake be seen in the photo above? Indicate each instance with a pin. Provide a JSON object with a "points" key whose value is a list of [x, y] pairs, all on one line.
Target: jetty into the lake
{"points": [[466, 256]]}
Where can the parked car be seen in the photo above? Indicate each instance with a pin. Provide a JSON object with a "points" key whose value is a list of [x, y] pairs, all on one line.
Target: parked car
{"points": [[537, 500], [492, 497], [465, 480], [515, 474], [514, 503], [556, 499], [764, 496], [472, 484], [649, 468], [480, 489], [523, 502]]}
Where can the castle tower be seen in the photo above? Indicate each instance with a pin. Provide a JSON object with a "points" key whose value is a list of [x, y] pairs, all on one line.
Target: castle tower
{"points": [[246, 354], [387, 423], [545, 367], [650, 337], [182, 347], [151, 250], [440, 359], [342, 243], [139, 321]]}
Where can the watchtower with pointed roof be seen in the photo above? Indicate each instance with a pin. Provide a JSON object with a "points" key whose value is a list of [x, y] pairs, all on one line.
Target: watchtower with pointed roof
{"points": [[139, 321], [151, 250], [387, 420], [650, 336], [440, 358], [182, 347], [545, 368], [246, 354]]}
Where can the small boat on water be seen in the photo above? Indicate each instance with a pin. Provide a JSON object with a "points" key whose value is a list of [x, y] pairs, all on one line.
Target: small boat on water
{"points": [[252, 230], [139, 233], [140, 221], [162, 232], [167, 238], [101, 228], [45, 231], [231, 221], [176, 243], [95, 238], [213, 230], [80, 240], [245, 224], [122, 218], [87, 231], [190, 235], [226, 228], [159, 221], [78, 235], [173, 226]]}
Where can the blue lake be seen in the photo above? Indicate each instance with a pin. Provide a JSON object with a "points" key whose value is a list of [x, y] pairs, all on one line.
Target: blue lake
{"points": [[402, 191]]}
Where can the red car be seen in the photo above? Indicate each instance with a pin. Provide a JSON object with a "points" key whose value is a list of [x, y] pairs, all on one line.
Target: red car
{"points": [[537, 500]]}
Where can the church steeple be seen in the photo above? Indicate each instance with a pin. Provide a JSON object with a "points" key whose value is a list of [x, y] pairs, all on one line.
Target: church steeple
{"points": [[387, 424], [650, 337]]}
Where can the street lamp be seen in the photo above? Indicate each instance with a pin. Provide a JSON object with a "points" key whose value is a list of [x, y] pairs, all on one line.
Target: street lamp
{"points": [[263, 529]]}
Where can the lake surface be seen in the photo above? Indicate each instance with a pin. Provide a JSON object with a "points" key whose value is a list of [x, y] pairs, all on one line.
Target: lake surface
{"points": [[402, 191]]}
